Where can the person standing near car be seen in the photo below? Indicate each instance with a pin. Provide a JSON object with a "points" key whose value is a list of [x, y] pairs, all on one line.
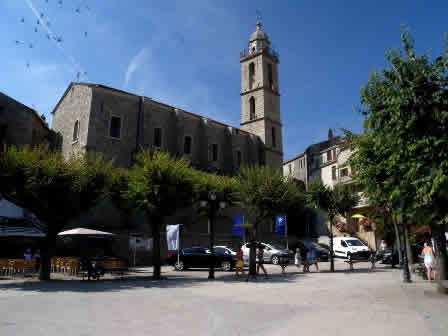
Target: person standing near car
{"points": [[312, 259], [260, 259], [304, 254], [298, 258], [428, 255], [239, 265]]}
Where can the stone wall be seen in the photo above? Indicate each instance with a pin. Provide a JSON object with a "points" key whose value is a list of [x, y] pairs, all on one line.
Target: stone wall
{"points": [[75, 106], [94, 106], [22, 125]]}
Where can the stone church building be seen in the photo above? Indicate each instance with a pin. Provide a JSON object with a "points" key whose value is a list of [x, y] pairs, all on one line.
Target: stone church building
{"points": [[97, 118]]}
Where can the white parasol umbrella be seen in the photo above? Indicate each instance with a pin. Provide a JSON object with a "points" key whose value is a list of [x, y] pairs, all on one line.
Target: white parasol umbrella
{"points": [[82, 231]]}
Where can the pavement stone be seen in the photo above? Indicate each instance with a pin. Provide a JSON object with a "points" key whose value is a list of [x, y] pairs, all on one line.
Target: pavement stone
{"points": [[344, 303]]}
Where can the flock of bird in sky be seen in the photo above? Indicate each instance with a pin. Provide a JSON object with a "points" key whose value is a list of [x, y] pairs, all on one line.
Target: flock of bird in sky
{"points": [[41, 24]]}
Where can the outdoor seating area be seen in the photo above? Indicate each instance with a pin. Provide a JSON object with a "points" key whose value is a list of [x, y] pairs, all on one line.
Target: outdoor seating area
{"points": [[70, 266], [17, 267]]}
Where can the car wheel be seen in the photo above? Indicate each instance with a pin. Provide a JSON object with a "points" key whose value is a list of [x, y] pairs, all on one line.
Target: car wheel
{"points": [[179, 266], [274, 260], [226, 266]]}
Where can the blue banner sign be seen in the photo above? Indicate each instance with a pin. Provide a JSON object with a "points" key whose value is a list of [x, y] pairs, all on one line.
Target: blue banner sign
{"points": [[237, 229], [280, 224]]}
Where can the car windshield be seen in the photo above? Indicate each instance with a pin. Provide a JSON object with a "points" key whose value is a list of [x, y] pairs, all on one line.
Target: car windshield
{"points": [[276, 246], [354, 242]]}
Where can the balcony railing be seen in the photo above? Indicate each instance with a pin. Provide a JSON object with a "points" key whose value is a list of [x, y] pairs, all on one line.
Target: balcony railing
{"points": [[269, 51], [363, 200]]}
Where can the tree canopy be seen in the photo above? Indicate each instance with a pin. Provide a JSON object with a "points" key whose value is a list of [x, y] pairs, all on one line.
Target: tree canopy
{"points": [[55, 189], [401, 158]]}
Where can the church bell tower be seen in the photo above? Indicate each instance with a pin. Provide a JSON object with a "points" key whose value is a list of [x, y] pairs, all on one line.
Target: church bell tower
{"points": [[260, 97]]}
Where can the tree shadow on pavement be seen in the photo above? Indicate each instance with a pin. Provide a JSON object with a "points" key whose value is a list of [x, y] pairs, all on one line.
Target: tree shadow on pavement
{"points": [[358, 270], [169, 280]]}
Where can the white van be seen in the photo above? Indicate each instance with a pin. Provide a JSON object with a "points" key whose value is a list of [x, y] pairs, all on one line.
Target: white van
{"points": [[347, 247]]}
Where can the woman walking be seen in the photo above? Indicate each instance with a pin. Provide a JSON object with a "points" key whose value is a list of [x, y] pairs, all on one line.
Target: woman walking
{"points": [[428, 255], [260, 255], [239, 265]]}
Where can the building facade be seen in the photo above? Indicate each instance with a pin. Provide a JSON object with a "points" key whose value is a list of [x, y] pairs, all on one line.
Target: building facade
{"points": [[21, 125], [323, 161], [96, 118], [326, 162]]}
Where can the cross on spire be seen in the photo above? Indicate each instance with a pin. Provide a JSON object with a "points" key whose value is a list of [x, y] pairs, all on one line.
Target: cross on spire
{"points": [[258, 16]]}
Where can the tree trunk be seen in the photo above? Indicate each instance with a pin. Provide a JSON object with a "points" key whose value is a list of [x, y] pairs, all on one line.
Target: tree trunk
{"points": [[252, 258], [406, 258], [47, 252], [440, 241], [397, 241], [156, 222], [408, 248], [253, 252], [331, 245]]}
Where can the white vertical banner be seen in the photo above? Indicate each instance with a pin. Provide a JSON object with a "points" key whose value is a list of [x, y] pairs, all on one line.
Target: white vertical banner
{"points": [[172, 236]]}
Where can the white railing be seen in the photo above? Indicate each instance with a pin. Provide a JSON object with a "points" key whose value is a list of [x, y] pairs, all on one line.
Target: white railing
{"points": [[363, 201]]}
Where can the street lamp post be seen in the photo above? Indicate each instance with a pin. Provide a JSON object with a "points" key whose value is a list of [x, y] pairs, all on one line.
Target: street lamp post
{"points": [[213, 206]]}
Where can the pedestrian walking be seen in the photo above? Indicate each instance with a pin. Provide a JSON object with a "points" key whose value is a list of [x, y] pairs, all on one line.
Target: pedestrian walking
{"points": [[239, 265], [27, 255], [260, 256], [383, 246], [312, 259], [37, 259], [428, 255], [297, 258], [303, 255]]}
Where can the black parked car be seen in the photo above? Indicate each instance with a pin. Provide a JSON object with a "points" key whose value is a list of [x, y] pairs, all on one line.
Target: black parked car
{"points": [[200, 257]]}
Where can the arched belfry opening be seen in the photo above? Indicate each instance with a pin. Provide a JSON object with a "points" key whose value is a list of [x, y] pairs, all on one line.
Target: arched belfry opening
{"points": [[252, 108], [251, 75]]}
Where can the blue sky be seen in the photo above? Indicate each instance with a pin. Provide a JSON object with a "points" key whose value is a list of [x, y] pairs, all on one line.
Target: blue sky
{"points": [[186, 53]]}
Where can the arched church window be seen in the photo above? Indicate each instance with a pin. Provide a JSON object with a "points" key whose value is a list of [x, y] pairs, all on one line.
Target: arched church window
{"points": [[252, 108], [76, 131], [251, 75], [187, 145], [238, 158], [274, 140], [270, 76]]}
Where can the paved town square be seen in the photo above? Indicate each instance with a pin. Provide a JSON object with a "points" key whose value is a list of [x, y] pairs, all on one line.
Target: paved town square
{"points": [[360, 302]]}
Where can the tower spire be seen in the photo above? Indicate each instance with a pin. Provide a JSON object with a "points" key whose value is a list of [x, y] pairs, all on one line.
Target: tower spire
{"points": [[259, 22]]}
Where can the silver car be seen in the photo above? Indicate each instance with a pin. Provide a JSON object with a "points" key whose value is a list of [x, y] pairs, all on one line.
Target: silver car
{"points": [[272, 252]]}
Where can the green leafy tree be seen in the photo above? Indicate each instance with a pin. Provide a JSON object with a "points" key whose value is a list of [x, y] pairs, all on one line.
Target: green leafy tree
{"points": [[264, 192], [334, 202], [55, 189], [402, 153], [159, 185]]}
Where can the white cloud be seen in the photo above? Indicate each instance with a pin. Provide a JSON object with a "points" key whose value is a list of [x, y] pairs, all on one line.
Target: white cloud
{"points": [[136, 62]]}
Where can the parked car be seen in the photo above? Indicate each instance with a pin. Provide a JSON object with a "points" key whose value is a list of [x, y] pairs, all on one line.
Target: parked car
{"points": [[272, 252], [322, 253], [225, 250], [200, 257], [350, 247]]}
